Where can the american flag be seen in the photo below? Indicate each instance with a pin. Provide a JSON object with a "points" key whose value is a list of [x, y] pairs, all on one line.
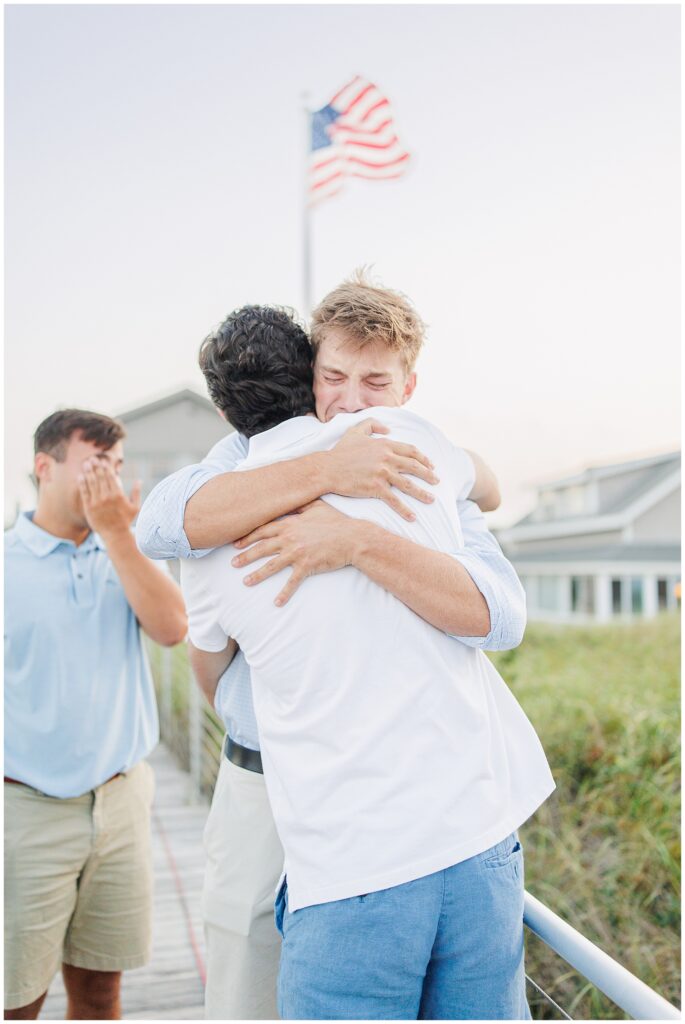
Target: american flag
{"points": [[353, 136]]}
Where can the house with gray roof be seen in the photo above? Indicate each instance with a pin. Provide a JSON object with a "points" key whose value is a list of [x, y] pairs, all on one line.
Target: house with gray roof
{"points": [[602, 544], [168, 433]]}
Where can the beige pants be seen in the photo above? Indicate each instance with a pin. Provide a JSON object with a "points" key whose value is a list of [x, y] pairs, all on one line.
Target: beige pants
{"points": [[78, 882], [244, 862]]}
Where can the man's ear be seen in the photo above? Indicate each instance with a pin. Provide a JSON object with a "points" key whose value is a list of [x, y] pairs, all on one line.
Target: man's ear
{"points": [[42, 467], [409, 386]]}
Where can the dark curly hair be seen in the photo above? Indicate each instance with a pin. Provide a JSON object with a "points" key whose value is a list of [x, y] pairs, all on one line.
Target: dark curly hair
{"points": [[258, 368]]}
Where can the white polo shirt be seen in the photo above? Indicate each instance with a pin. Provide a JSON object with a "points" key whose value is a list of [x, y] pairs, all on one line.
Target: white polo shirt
{"points": [[390, 749]]}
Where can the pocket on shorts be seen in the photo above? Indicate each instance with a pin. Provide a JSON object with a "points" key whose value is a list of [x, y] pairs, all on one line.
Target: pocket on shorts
{"points": [[506, 852]]}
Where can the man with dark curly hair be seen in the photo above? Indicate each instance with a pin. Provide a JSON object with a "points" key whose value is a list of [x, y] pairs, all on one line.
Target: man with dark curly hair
{"points": [[258, 368], [472, 593]]}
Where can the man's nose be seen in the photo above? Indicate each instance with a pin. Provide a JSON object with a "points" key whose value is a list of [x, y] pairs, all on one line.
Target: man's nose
{"points": [[351, 399]]}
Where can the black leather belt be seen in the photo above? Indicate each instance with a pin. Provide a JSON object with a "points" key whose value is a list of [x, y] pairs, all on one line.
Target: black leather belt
{"points": [[243, 756]]}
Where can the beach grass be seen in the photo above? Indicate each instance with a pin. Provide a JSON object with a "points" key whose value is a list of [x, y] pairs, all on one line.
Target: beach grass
{"points": [[604, 851]]}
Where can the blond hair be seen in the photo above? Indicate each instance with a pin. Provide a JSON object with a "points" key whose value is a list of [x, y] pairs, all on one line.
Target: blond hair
{"points": [[369, 313]]}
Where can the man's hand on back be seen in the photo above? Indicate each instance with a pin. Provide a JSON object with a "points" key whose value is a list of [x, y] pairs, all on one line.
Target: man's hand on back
{"points": [[320, 539], [315, 539], [362, 466]]}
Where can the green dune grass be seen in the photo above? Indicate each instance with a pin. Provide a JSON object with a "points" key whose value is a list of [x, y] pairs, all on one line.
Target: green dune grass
{"points": [[604, 851]]}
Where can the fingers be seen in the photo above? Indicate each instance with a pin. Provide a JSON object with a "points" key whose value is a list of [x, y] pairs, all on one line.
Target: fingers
{"points": [[102, 480], [261, 533], [289, 589], [407, 486], [398, 506], [418, 469], [274, 566], [94, 480], [259, 550], [408, 451], [84, 489], [369, 427], [135, 493]]}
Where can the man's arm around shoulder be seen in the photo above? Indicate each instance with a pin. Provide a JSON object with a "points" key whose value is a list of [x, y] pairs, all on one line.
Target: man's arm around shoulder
{"points": [[159, 530]]}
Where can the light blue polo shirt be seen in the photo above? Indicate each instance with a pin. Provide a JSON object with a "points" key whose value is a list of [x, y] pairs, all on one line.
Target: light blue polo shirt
{"points": [[79, 700]]}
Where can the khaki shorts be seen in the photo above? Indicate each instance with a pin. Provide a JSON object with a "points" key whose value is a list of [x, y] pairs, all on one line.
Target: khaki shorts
{"points": [[78, 882], [244, 862]]}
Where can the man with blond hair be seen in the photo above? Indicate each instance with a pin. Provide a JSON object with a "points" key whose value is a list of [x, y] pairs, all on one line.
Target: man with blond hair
{"points": [[366, 340]]}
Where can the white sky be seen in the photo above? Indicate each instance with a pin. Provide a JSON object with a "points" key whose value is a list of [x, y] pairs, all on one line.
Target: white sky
{"points": [[153, 178]]}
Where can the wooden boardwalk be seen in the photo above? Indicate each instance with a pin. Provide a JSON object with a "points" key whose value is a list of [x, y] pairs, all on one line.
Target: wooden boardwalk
{"points": [[171, 986]]}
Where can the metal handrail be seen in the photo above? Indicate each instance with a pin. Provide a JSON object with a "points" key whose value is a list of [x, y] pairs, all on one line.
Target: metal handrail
{"points": [[623, 988]]}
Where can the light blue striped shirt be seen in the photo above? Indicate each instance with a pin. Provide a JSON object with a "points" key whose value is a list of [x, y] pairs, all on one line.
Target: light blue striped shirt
{"points": [[160, 534]]}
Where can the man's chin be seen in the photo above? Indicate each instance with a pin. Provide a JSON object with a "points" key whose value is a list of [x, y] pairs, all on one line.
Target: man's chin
{"points": [[79, 520]]}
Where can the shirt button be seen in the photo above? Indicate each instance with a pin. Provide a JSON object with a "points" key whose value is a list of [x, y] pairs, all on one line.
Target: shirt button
{"points": [[79, 576]]}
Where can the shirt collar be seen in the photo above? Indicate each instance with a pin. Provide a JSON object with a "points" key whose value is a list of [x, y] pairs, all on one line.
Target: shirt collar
{"points": [[288, 432], [42, 543]]}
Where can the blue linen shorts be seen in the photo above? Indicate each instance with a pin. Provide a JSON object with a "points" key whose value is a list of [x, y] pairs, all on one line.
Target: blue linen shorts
{"points": [[448, 946]]}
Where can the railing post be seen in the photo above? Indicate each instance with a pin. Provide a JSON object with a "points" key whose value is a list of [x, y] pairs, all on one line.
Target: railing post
{"points": [[195, 738]]}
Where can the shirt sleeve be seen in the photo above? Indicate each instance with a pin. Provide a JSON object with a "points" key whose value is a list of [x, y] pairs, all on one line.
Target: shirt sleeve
{"points": [[159, 529], [466, 473], [203, 629], [496, 578], [233, 672]]}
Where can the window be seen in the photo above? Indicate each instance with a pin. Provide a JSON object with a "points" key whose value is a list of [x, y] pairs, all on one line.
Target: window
{"points": [[636, 595], [548, 593], [662, 594], [583, 594], [616, 590]]}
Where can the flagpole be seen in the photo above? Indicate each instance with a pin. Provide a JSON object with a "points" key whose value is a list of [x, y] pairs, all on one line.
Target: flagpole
{"points": [[306, 215]]}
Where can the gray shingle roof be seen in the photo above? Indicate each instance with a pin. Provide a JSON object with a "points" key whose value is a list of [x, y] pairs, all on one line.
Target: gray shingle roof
{"points": [[654, 470], [174, 398], [604, 553], [613, 469], [652, 476]]}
